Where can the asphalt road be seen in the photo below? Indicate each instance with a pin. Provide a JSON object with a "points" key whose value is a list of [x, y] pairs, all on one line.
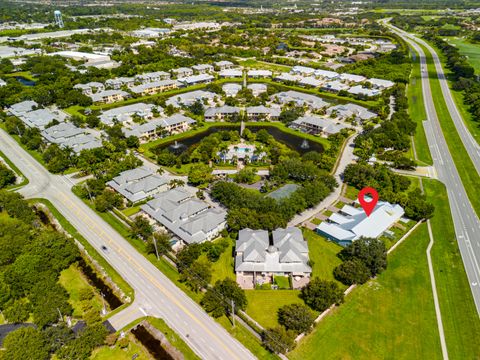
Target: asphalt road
{"points": [[466, 222], [155, 294]]}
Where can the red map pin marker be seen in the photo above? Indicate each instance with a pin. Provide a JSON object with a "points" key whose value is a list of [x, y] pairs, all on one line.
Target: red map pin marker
{"points": [[368, 206]]}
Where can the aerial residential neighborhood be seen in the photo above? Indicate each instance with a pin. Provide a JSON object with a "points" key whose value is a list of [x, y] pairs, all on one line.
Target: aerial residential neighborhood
{"points": [[239, 180]]}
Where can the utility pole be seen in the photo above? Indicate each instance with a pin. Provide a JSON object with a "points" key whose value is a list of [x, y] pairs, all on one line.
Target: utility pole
{"points": [[233, 312], [155, 244], [104, 307]]}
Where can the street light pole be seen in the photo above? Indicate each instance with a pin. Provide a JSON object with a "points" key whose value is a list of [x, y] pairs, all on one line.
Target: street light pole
{"points": [[233, 313], [155, 244]]}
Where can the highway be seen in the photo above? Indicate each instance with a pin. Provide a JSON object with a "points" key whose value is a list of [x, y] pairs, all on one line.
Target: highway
{"points": [[155, 294], [466, 222]]}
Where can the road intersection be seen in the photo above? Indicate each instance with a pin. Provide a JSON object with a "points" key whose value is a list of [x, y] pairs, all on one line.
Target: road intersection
{"points": [[155, 294]]}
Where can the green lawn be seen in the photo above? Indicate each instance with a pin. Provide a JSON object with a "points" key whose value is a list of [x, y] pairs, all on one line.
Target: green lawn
{"points": [[224, 266], [460, 318], [471, 51], [264, 304], [247, 339], [173, 338], [131, 210], [73, 280], [255, 64], [391, 317], [323, 253], [75, 110], [470, 177], [115, 352], [417, 112]]}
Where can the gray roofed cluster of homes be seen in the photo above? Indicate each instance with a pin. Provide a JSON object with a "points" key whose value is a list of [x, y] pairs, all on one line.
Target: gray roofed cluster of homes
{"points": [[124, 114], [345, 111], [335, 82], [189, 98], [189, 218], [352, 223], [176, 122], [286, 254], [154, 86], [31, 116], [67, 135], [300, 99], [138, 184], [109, 96], [317, 124], [221, 113]]}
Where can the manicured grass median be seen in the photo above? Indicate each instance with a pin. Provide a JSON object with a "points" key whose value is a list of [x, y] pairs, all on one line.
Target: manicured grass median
{"points": [[390, 317], [466, 169], [460, 318], [416, 109]]}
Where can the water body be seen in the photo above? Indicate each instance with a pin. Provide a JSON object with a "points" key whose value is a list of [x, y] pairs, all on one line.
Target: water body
{"points": [[112, 300], [153, 345], [294, 142], [25, 81]]}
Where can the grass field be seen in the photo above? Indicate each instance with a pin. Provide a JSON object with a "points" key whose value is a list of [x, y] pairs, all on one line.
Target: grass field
{"points": [[323, 253], [115, 352], [471, 51], [391, 317], [264, 304], [417, 112], [460, 319], [224, 266], [73, 280], [255, 64]]}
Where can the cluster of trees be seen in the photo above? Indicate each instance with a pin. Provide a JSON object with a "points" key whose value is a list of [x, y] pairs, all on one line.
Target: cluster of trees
{"points": [[393, 134], [395, 66], [463, 73], [31, 259], [391, 187], [251, 209], [293, 319], [7, 176], [362, 259], [195, 271]]}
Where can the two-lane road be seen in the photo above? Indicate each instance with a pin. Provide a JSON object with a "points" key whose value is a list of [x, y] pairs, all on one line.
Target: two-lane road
{"points": [[155, 294], [466, 222]]}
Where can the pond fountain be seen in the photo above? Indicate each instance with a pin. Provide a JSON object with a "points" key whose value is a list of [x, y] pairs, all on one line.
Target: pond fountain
{"points": [[177, 147], [305, 145]]}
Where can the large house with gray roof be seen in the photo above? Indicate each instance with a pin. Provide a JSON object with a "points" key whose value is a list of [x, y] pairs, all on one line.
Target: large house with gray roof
{"points": [[176, 123], [352, 223], [124, 114], [316, 124], [139, 184], [22, 108], [189, 98], [299, 99], [262, 113], [67, 135], [346, 111], [259, 257], [190, 219], [222, 113]]}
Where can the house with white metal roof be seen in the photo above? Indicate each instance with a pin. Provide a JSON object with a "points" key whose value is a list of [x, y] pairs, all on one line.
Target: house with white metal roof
{"points": [[353, 223], [381, 83], [155, 87], [230, 73], [231, 89], [189, 218], [203, 68], [109, 96], [352, 78], [335, 86], [258, 259], [259, 73], [310, 81], [302, 70], [259, 113], [196, 79], [176, 123], [299, 99], [182, 72], [222, 113], [117, 83], [139, 184], [224, 64], [21, 108], [326, 74], [42, 117], [125, 114], [363, 91], [345, 111], [189, 98], [316, 124], [257, 89]]}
